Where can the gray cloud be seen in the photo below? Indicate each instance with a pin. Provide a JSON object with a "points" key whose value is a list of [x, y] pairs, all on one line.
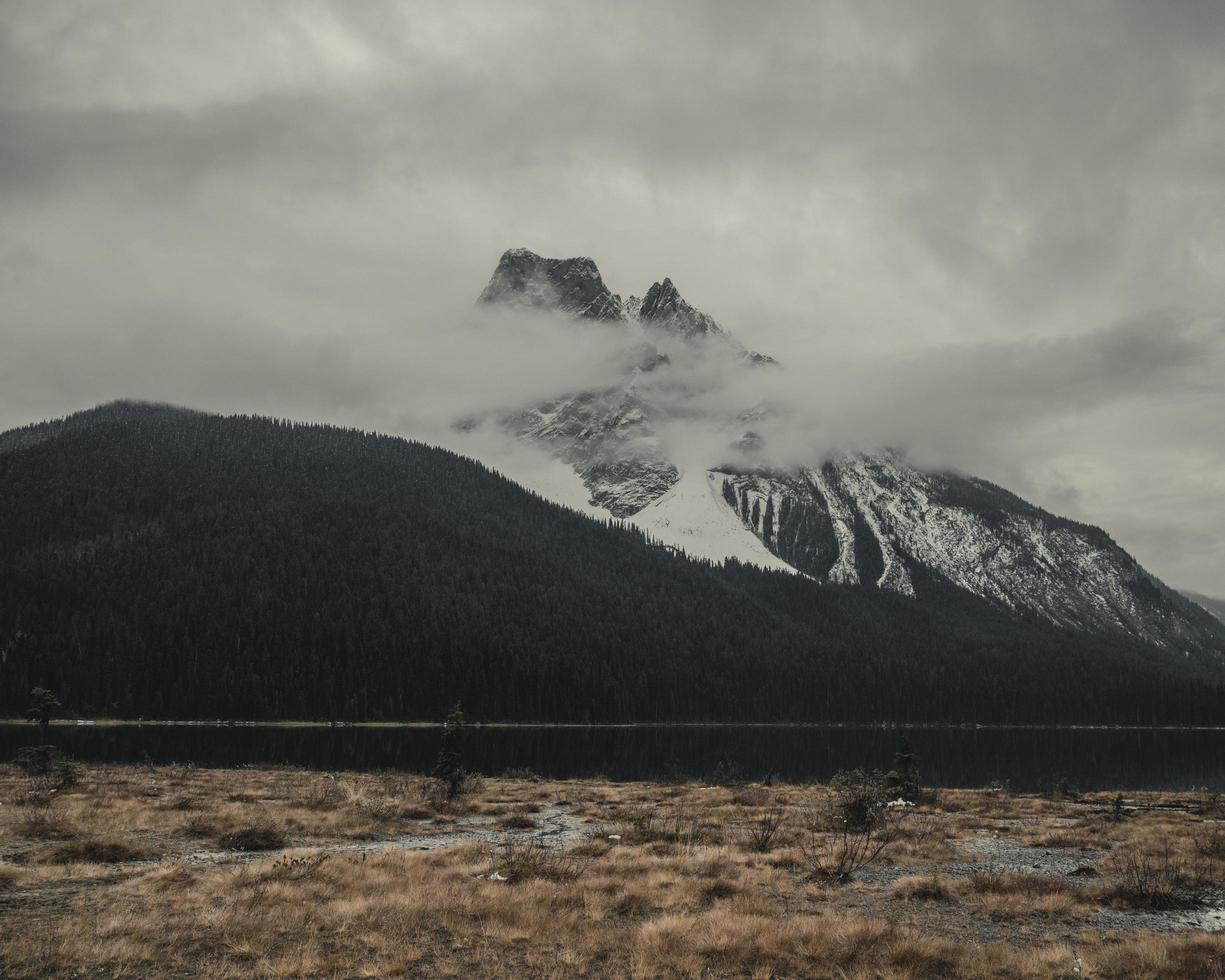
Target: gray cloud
{"points": [[953, 221]]}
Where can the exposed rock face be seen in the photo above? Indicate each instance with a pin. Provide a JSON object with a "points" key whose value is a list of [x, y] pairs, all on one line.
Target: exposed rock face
{"points": [[572, 286], [865, 519], [663, 309]]}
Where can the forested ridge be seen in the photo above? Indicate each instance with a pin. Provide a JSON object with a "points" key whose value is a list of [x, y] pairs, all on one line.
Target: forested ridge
{"points": [[159, 562]]}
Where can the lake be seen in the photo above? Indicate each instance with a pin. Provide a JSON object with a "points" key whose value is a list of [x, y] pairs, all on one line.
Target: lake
{"points": [[1024, 759]]}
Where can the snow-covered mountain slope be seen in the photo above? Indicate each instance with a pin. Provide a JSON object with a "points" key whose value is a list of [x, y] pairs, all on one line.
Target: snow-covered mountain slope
{"points": [[876, 520], [692, 517], [856, 518]]}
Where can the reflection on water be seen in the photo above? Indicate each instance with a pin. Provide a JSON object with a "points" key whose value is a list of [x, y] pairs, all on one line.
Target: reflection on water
{"points": [[1025, 759]]}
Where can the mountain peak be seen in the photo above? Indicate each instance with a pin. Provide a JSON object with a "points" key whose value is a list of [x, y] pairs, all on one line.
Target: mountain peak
{"points": [[574, 285], [663, 308]]}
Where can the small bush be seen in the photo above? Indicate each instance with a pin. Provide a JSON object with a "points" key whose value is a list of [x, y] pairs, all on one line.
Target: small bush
{"points": [[1211, 844], [44, 825], [859, 798], [200, 826], [644, 824], [1150, 879], [525, 860], [922, 888], [324, 795], [92, 850], [37, 760], [67, 773], [851, 827], [762, 834], [258, 837], [517, 821]]}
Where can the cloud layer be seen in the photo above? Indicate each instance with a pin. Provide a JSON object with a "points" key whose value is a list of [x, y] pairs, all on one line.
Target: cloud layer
{"points": [[988, 231]]}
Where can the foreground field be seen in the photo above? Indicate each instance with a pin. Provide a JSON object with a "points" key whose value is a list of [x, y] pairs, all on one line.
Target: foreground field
{"points": [[174, 871]]}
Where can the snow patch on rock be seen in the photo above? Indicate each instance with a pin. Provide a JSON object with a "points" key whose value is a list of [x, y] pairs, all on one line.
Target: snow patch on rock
{"points": [[693, 517]]}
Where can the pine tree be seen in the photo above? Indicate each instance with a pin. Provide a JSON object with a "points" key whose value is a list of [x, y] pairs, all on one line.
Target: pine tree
{"points": [[902, 781], [449, 769], [43, 704]]}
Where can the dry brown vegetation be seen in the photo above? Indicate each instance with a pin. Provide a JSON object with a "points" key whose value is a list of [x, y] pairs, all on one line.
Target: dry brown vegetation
{"points": [[119, 876]]}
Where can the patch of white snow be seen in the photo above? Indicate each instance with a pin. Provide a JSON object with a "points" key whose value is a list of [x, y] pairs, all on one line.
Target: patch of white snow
{"points": [[694, 517]]}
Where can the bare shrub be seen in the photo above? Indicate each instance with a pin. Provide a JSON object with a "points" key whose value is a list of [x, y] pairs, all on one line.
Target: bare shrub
{"points": [[93, 850], [851, 827], [761, 834], [515, 860], [42, 824], [645, 824], [296, 867], [257, 837], [200, 826], [751, 796], [517, 821], [325, 794], [920, 832], [1154, 878], [1211, 843]]}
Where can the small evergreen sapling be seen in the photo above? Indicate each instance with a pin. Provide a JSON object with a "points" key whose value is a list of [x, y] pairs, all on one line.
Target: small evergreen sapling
{"points": [[902, 782]]}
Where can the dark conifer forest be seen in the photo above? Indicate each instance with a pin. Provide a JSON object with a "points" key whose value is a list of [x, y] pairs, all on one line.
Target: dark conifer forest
{"points": [[162, 563]]}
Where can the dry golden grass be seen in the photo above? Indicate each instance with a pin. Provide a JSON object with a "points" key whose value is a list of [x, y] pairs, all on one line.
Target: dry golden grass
{"points": [[668, 883], [923, 888]]}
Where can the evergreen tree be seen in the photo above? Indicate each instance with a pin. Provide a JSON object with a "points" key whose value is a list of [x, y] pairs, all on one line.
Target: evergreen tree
{"points": [[168, 563], [449, 769], [902, 782], [43, 704]]}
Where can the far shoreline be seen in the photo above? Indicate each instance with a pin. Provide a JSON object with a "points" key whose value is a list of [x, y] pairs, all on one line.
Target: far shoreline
{"points": [[815, 725]]}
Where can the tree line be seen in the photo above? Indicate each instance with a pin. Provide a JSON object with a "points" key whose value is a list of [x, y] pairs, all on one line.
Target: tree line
{"points": [[156, 562]]}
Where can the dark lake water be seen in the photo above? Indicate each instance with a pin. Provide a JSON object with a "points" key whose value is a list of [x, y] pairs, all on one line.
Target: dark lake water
{"points": [[1024, 759]]}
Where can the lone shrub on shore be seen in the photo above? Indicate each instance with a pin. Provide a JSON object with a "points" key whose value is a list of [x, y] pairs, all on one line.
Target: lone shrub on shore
{"points": [[851, 828], [1158, 878], [858, 797]]}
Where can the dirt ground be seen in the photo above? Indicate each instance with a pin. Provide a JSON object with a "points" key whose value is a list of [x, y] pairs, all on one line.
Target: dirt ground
{"points": [[176, 872]]}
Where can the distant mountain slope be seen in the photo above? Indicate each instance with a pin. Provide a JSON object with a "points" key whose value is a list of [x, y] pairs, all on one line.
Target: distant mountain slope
{"points": [[161, 562], [1214, 606], [851, 518]]}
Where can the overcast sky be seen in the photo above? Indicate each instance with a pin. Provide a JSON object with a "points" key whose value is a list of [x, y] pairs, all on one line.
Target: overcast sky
{"points": [[993, 232]]}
